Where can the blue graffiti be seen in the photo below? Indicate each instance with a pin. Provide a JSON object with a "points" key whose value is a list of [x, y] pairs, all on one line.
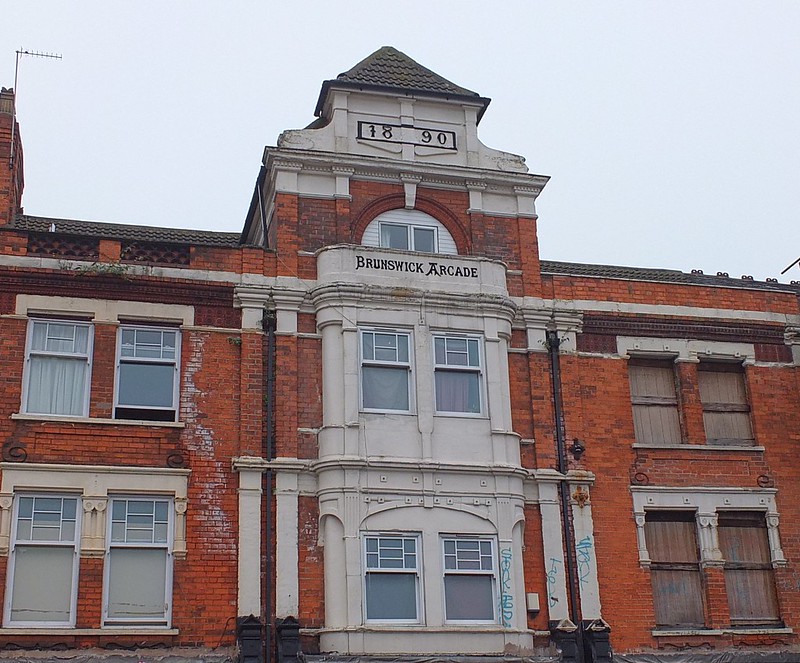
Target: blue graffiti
{"points": [[552, 574], [506, 598], [584, 554]]}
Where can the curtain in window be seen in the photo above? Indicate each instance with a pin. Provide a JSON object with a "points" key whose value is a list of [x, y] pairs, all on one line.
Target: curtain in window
{"points": [[457, 391], [56, 385]]}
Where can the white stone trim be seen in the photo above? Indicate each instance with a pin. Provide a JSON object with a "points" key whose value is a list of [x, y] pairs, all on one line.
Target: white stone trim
{"points": [[104, 310], [706, 503], [536, 304], [94, 483], [685, 350], [553, 544], [250, 469], [585, 552]]}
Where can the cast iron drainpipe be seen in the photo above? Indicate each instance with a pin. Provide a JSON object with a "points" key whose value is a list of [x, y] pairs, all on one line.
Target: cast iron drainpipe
{"points": [[553, 344], [268, 324]]}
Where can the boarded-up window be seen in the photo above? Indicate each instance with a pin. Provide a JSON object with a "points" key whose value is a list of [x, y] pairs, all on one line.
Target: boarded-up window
{"points": [[726, 412], [675, 569], [655, 402], [749, 581]]}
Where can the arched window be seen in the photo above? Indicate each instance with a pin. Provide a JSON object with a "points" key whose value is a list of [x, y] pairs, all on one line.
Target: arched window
{"points": [[409, 230]]}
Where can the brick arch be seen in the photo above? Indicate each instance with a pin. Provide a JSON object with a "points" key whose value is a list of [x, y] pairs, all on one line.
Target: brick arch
{"points": [[398, 201]]}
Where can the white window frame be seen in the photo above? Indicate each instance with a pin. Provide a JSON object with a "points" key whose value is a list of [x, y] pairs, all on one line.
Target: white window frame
{"points": [[175, 362], [477, 370], [396, 365], [410, 237], [167, 546], [416, 571], [16, 542], [30, 352], [491, 573]]}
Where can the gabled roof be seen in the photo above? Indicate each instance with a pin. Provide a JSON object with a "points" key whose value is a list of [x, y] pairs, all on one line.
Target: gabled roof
{"points": [[388, 69], [123, 231]]}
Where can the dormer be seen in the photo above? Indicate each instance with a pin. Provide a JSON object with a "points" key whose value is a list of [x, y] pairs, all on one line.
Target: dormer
{"points": [[389, 106]]}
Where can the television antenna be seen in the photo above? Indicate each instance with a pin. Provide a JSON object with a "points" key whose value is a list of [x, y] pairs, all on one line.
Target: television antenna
{"points": [[790, 266], [22, 52]]}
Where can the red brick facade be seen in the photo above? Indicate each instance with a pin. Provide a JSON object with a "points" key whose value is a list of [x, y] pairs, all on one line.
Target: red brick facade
{"points": [[253, 401]]}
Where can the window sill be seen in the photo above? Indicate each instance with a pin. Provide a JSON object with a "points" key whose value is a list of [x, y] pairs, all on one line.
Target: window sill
{"points": [[96, 420], [699, 447], [778, 630], [42, 630]]}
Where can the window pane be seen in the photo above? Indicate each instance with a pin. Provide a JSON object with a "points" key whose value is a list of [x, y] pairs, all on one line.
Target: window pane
{"points": [[425, 240], [137, 584], [391, 596], [60, 338], [56, 385], [469, 597], [26, 507], [458, 391], [42, 584], [394, 236], [472, 349], [402, 348], [439, 352], [146, 385], [368, 342], [385, 388]]}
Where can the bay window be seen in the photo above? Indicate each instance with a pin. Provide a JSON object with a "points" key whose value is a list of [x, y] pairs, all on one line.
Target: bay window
{"points": [[457, 373], [385, 370], [391, 578], [469, 579]]}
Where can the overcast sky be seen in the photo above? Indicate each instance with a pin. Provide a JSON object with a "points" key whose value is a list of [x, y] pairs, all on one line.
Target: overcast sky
{"points": [[671, 129]]}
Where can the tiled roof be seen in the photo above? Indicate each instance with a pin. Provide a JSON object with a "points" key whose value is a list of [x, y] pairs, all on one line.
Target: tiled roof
{"points": [[660, 275], [390, 68], [122, 231]]}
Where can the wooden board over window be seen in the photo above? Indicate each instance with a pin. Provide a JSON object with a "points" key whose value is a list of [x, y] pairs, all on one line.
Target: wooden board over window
{"points": [[675, 569], [655, 402], [749, 580], [726, 411]]}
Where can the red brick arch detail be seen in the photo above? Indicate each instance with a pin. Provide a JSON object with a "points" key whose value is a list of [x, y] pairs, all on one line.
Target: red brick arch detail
{"points": [[397, 201]]}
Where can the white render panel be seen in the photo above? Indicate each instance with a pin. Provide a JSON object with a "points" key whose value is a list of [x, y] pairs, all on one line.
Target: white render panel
{"points": [[287, 594], [422, 271], [405, 113], [249, 558], [585, 554], [553, 544], [313, 184]]}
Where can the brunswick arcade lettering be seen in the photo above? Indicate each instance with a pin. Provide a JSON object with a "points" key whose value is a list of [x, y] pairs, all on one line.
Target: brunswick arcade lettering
{"points": [[426, 269]]}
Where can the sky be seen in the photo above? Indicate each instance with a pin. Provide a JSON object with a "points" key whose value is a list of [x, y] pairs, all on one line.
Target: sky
{"points": [[670, 129]]}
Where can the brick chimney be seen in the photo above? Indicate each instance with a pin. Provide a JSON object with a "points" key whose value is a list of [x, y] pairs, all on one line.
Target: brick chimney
{"points": [[11, 177]]}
